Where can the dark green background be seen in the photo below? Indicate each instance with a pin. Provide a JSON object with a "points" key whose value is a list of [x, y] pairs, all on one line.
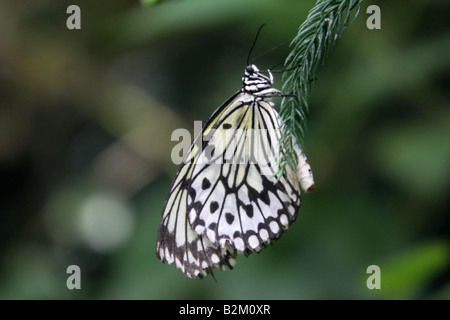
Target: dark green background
{"points": [[85, 123]]}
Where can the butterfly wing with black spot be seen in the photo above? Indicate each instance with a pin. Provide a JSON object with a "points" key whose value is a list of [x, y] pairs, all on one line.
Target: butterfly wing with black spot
{"points": [[239, 204], [177, 242]]}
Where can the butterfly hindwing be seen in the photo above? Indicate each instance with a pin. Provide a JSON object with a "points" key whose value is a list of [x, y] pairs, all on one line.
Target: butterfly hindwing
{"points": [[177, 242]]}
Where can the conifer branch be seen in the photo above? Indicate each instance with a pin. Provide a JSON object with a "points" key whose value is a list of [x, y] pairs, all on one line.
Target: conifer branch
{"points": [[316, 38]]}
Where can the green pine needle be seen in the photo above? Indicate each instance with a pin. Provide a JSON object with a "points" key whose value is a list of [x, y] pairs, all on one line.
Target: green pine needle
{"points": [[316, 38]]}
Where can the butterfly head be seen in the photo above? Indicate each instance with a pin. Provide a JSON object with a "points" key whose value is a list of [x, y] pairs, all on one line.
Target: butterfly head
{"points": [[254, 81]]}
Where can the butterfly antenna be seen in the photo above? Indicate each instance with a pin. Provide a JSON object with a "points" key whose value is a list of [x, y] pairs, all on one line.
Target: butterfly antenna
{"points": [[287, 69], [209, 261], [270, 50], [281, 70], [212, 274], [278, 64], [254, 43]]}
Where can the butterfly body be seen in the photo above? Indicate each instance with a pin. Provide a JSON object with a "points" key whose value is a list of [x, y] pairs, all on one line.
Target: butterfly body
{"points": [[225, 198]]}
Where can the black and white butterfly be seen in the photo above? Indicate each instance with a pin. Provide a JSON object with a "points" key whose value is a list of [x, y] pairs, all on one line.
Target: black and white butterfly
{"points": [[226, 199]]}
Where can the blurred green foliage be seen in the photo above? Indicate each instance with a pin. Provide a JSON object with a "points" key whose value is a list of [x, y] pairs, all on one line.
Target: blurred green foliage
{"points": [[86, 118]]}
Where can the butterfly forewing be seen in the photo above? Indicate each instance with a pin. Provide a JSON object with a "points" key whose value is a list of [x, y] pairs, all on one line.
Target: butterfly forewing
{"points": [[237, 202]]}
